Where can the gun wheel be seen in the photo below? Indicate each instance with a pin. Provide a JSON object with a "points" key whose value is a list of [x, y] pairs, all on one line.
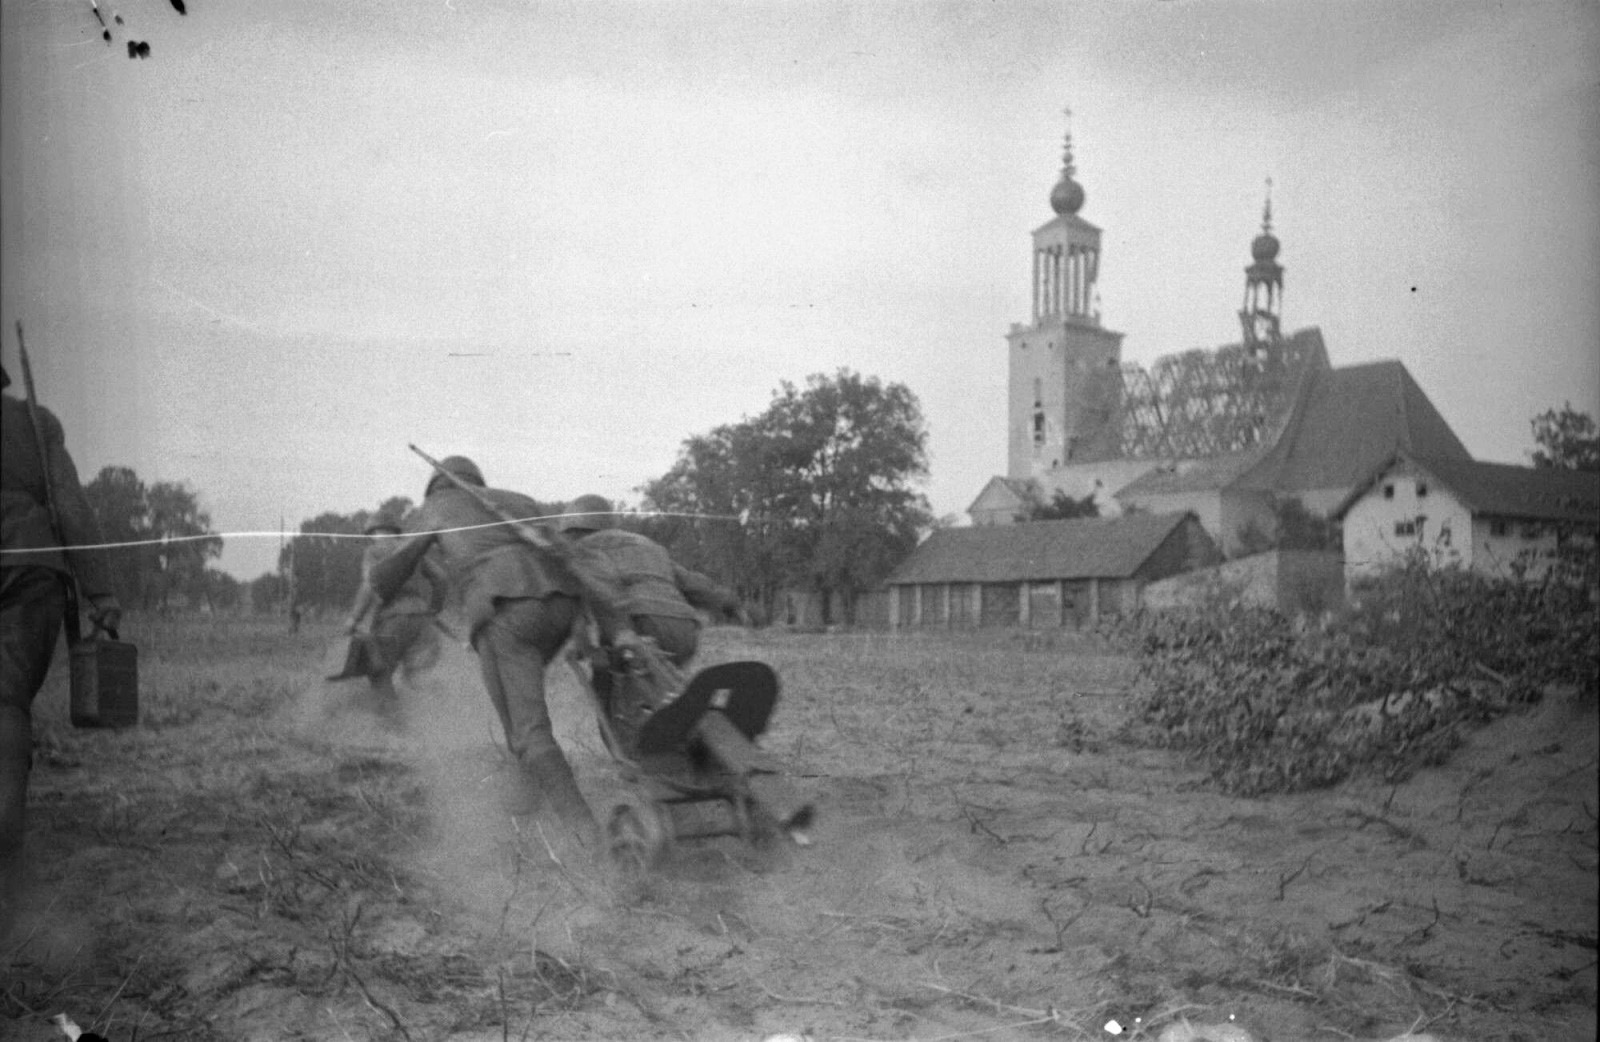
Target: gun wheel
{"points": [[636, 838]]}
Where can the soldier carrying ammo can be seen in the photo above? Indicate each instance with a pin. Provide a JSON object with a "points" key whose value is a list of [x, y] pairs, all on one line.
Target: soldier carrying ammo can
{"points": [[43, 516]]}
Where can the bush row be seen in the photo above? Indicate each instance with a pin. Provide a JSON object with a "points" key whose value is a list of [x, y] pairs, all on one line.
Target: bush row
{"points": [[1270, 703]]}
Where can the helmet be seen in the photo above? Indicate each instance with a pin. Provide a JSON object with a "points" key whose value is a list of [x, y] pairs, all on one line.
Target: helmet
{"points": [[461, 467], [588, 514], [382, 521]]}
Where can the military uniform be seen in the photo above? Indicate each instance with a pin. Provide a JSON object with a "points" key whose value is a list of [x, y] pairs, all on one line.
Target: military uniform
{"points": [[400, 622], [519, 610], [33, 573], [637, 585], [635, 588]]}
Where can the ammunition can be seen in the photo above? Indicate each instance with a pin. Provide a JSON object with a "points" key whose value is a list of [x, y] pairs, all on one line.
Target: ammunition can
{"points": [[105, 683]]}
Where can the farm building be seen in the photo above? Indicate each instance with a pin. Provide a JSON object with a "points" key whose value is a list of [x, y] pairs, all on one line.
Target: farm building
{"points": [[1042, 574], [1490, 517]]}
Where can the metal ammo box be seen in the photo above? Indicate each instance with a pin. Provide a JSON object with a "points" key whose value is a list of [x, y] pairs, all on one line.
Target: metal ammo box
{"points": [[105, 683]]}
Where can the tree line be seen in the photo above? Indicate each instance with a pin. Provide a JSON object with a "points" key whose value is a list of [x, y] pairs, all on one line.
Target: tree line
{"points": [[817, 493], [173, 543]]}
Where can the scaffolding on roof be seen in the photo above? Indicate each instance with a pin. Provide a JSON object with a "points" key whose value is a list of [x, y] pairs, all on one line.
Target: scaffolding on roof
{"points": [[1201, 403]]}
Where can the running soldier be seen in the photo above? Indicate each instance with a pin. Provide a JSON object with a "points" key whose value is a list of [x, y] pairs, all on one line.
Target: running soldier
{"points": [[396, 627], [34, 571], [519, 609]]}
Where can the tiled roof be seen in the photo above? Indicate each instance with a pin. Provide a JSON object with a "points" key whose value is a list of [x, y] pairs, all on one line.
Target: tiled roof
{"points": [[1350, 421], [1506, 490], [1196, 476], [1016, 486], [1100, 547]]}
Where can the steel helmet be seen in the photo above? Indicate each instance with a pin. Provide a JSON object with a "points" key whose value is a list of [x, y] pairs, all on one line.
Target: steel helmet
{"points": [[461, 467], [588, 513]]}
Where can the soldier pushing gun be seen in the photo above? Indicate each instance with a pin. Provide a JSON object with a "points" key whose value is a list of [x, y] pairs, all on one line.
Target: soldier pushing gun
{"points": [[519, 608]]}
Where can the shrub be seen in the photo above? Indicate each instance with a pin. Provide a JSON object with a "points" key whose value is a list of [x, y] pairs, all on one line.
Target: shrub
{"points": [[1271, 704]]}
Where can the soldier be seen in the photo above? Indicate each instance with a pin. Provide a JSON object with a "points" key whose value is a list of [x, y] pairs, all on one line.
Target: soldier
{"points": [[642, 589], [519, 610], [397, 626], [34, 572]]}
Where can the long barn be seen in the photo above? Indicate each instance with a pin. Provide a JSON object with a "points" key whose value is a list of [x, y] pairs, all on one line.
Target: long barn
{"points": [[1044, 574]]}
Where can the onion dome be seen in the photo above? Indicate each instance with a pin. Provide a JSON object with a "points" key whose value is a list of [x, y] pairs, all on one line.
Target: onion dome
{"points": [[1067, 196], [1265, 246]]}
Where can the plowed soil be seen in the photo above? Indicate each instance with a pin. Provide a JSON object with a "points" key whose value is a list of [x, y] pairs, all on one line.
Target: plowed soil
{"points": [[266, 857]]}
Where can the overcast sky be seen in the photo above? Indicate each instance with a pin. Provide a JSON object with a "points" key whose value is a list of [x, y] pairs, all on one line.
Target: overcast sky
{"points": [[562, 237]]}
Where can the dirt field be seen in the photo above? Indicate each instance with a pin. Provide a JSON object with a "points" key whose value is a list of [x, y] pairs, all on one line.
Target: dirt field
{"points": [[262, 859]]}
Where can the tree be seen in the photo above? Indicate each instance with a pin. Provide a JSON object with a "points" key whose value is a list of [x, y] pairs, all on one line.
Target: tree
{"points": [[219, 590], [118, 499], [1061, 507], [266, 593], [815, 492], [324, 560], [167, 518], [1567, 439], [178, 562]]}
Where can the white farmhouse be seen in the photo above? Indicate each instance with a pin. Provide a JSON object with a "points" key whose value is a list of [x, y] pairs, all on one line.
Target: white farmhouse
{"points": [[1494, 518]]}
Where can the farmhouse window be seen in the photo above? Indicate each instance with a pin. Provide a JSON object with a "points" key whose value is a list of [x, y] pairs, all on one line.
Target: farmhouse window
{"points": [[1405, 528], [1500, 528], [1388, 492], [1532, 530]]}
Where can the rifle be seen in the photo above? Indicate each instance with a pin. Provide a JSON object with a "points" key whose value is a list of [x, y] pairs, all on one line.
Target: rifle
{"points": [[73, 623], [656, 664]]}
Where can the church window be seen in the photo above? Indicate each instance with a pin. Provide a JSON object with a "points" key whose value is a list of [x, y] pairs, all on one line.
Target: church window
{"points": [[1038, 412]]}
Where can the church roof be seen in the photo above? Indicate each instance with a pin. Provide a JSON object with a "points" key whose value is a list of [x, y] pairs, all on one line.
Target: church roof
{"points": [[1350, 420], [1017, 487], [1194, 475], [1343, 425], [1085, 548]]}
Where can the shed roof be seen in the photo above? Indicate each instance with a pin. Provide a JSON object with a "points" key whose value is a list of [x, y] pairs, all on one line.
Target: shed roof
{"points": [[1085, 548], [1503, 489]]}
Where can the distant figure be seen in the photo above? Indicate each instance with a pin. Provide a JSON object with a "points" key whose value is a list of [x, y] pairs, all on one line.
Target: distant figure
{"points": [[34, 571], [519, 610], [640, 587]]}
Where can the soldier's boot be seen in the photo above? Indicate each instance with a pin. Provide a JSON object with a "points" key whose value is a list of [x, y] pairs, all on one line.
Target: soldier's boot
{"points": [[558, 791], [16, 755]]}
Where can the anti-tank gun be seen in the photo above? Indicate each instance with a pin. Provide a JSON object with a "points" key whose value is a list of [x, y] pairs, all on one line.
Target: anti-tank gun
{"points": [[686, 745]]}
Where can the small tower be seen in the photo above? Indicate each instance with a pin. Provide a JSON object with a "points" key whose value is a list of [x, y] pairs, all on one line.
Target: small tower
{"points": [[1262, 314], [1064, 367]]}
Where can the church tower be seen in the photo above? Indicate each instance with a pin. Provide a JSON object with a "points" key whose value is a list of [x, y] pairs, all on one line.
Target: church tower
{"points": [[1064, 367], [1261, 317]]}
